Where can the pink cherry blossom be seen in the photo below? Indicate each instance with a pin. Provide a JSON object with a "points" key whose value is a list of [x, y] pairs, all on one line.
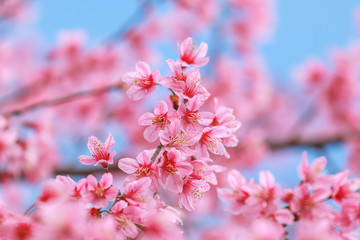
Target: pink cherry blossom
{"points": [[72, 187], [140, 168], [124, 216], [175, 137], [343, 187], [135, 192], [142, 82], [186, 84], [172, 170], [191, 56], [310, 174], [237, 195], [157, 121], [211, 140], [100, 193], [158, 226], [309, 204], [224, 116], [192, 119], [202, 170], [264, 196], [192, 192], [100, 152]]}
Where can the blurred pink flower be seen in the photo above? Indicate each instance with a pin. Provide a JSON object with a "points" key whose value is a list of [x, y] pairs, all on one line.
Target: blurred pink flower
{"points": [[191, 56], [142, 82]]}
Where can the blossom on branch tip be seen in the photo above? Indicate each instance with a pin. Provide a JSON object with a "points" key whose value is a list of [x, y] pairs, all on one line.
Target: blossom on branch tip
{"points": [[142, 82], [191, 56], [185, 84], [100, 152]]}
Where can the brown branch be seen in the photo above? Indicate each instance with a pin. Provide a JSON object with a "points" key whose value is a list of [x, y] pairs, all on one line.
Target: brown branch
{"points": [[314, 142], [62, 100], [86, 171], [273, 145], [156, 153]]}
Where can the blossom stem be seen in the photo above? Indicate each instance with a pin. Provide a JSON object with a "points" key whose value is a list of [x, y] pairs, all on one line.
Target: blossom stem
{"points": [[156, 153]]}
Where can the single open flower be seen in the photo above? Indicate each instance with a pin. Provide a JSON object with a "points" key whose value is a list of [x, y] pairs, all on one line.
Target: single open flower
{"points": [[100, 152]]}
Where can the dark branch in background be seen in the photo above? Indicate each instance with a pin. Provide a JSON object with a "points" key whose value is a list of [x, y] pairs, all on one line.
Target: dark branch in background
{"points": [[313, 142], [84, 172], [64, 99], [317, 143]]}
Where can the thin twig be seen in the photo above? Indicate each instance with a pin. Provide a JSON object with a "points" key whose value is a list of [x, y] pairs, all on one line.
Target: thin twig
{"points": [[62, 100], [156, 153]]}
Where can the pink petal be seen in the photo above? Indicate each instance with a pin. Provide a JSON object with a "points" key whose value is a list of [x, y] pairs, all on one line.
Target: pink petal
{"points": [[201, 62], [143, 68], [302, 168], [119, 206], [100, 203], [318, 165], [143, 158], [320, 193], [184, 202], [220, 132], [174, 67], [266, 179], [174, 183], [86, 160], [130, 77], [172, 115], [109, 143], [138, 187], [128, 165], [161, 108], [195, 103], [151, 133], [236, 179], [146, 119], [202, 50], [106, 180], [136, 93], [201, 151], [184, 168], [284, 216], [156, 76], [111, 193], [206, 118], [129, 229], [174, 155], [91, 182], [185, 45]]}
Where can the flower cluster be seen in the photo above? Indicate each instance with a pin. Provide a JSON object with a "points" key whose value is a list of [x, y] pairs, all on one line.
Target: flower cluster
{"points": [[326, 204], [181, 163]]}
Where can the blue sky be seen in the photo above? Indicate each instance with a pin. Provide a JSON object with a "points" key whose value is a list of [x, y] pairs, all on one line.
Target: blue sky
{"points": [[304, 28]]}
